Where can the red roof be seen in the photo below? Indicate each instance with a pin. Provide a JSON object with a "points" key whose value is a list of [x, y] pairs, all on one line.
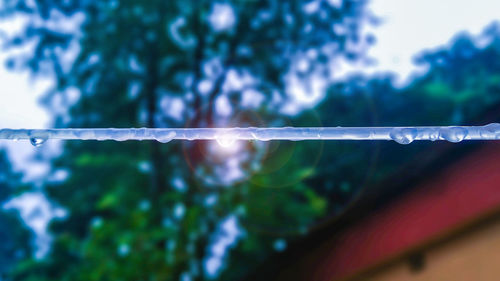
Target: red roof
{"points": [[459, 194]]}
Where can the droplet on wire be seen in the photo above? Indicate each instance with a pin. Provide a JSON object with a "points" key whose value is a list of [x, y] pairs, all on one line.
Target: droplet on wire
{"points": [[36, 142], [403, 135]]}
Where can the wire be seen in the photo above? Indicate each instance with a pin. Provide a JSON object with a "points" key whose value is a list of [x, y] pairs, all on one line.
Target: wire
{"points": [[403, 135]]}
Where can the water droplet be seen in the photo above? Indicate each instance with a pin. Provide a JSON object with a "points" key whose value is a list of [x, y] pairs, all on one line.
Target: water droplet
{"points": [[165, 137], [262, 135], [434, 135], [193, 137], [37, 141], [404, 135], [490, 131], [453, 134], [118, 135]]}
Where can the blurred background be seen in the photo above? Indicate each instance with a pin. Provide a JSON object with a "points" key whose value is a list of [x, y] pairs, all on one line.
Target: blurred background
{"points": [[195, 210]]}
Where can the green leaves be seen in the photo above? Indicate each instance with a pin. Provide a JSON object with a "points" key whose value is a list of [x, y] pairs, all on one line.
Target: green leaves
{"points": [[108, 201], [166, 64]]}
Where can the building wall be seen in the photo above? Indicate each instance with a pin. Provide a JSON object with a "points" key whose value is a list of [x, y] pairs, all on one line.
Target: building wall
{"points": [[471, 256]]}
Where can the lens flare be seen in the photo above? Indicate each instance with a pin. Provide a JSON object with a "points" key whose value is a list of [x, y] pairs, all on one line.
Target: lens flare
{"points": [[226, 140]]}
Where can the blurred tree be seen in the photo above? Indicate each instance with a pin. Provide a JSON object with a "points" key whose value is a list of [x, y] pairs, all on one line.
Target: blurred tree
{"points": [[147, 211], [461, 84], [15, 236], [464, 77]]}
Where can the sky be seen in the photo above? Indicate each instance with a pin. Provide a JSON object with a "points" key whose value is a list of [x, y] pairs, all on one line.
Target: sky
{"points": [[408, 27]]}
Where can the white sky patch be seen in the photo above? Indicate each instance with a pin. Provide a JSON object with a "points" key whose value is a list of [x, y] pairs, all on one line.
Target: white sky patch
{"points": [[231, 171], [36, 211], [172, 107], [335, 3], [222, 17], [411, 26], [228, 235], [179, 184], [251, 98], [205, 86], [303, 93], [311, 7], [19, 99], [19, 108], [213, 67], [237, 81], [134, 89], [223, 106], [179, 211]]}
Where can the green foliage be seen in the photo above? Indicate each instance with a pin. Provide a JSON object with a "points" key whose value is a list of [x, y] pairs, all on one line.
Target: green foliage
{"points": [[16, 238], [149, 211], [146, 211]]}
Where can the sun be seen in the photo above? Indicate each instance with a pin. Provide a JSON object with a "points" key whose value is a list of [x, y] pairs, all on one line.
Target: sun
{"points": [[228, 143]]}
